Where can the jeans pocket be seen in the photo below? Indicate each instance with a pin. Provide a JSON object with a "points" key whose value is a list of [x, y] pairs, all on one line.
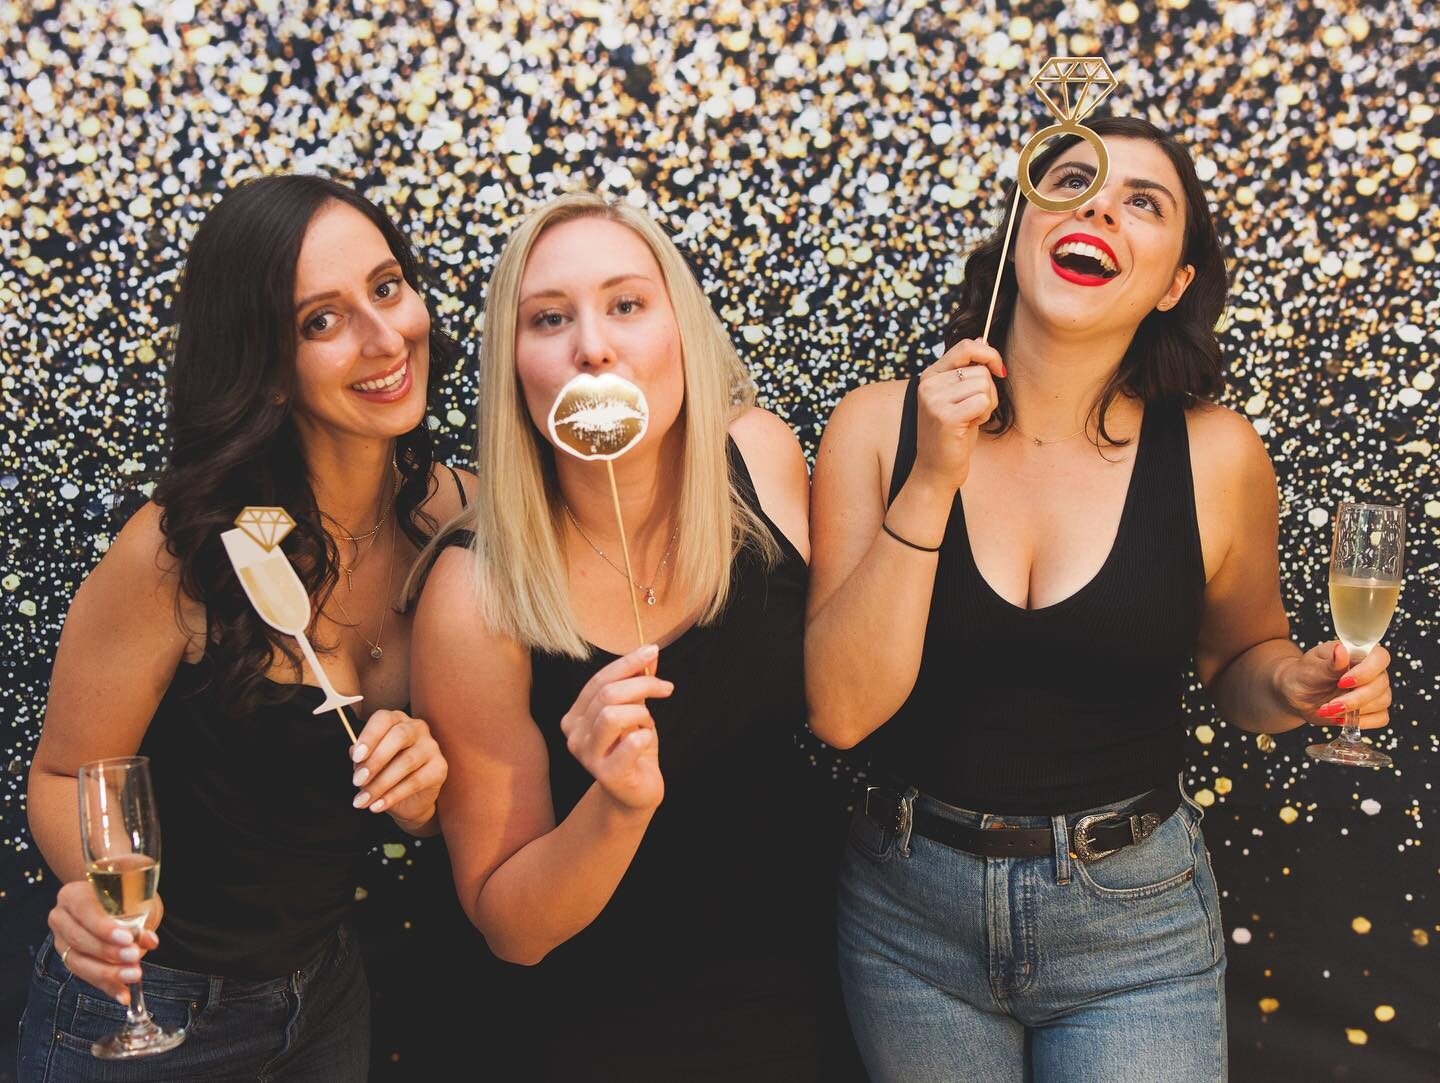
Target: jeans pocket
{"points": [[874, 840], [96, 1016], [1163, 862]]}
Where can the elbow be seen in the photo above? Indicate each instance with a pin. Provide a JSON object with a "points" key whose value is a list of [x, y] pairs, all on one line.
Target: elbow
{"points": [[519, 954], [835, 729], [507, 944]]}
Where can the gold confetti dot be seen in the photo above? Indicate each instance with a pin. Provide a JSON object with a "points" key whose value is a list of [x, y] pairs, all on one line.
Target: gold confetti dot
{"points": [[1356, 1036], [1204, 798], [394, 850], [1268, 1005], [1265, 741], [1384, 1013], [1420, 938], [1403, 165], [1128, 13], [1204, 733], [1222, 785], [1289, 814], [1361, 925]]}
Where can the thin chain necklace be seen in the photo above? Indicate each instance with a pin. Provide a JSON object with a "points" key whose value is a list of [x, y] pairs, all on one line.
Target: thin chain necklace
{"points": [[356, 539], [649, 591], [375, 652], [1044, 443]]}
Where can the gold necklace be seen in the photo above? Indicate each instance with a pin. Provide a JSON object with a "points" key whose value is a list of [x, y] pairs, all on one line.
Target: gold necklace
{"points": [[1043, 443], [375, 652], [649, 591], [356, 539]]}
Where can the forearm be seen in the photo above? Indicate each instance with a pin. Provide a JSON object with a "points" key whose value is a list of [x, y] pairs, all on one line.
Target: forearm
{"points": [[52, 803], [1248, 692], [557, 885], [864, 644]]}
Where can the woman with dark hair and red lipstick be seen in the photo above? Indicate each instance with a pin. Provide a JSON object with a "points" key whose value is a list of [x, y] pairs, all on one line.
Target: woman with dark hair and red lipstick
{"points": [[1016, 556], [299, 379]]}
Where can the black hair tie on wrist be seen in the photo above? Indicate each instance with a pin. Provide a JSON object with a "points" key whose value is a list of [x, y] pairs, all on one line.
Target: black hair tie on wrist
{"points": [[906, 541]]}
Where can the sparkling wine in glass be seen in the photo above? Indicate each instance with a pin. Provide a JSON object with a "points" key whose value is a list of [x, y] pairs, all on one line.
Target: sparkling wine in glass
{"points": [[1365, 571], [120, 835]]}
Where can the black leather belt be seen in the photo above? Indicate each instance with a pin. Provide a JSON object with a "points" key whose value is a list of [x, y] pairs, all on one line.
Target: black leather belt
{"points": [[1093, 837]]}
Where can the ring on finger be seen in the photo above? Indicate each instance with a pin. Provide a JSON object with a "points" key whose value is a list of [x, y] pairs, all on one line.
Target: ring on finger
{"points": [[960, 373], [64, 955]]}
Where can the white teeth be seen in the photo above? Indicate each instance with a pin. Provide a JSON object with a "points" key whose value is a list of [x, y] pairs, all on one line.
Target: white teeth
{"points": [[1080, 248], [390, 382]]}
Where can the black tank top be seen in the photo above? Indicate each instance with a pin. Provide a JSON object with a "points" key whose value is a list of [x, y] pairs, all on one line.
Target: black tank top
{"points": [[261, 848], [715, 942], [1074, 705]]}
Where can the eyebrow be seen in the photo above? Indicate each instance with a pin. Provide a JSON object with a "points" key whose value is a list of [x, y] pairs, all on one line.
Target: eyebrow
{"points": [[613, 280], [391, 264], [1137, 183]]}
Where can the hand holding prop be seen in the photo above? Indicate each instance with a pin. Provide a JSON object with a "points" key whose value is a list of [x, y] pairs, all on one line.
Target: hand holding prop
{"points": [[275, 590], [1092, 81], [601, 418]]}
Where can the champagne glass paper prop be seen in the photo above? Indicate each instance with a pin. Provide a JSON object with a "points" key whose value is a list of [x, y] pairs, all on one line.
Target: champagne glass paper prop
{"points": [[1071, 87], [601, 418], [275, 590], [120, 837], [1365, 572]]}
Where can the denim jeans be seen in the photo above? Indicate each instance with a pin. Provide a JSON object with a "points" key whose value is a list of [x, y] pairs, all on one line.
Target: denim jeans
{"points": [[312, 1025], [957, 967]]}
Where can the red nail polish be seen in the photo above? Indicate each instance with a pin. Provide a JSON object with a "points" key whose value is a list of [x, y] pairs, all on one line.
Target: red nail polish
{"points": [[1331, 710], [1004, 372], [1346, 681]]}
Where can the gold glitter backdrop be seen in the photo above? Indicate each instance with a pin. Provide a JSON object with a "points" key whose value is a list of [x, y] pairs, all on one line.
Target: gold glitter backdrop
{"points": [[826, 169]]}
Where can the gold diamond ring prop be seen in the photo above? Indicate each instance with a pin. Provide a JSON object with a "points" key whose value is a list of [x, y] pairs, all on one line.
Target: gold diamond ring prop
{"points": [[267, 527], [1071, 87]]}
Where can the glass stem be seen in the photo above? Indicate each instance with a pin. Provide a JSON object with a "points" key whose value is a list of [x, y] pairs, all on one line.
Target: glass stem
{"points": [[135, 1013], [1351, 733]]}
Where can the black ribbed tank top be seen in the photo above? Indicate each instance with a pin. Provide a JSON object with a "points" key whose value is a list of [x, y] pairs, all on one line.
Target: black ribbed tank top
{"points": [[1073, 705]]}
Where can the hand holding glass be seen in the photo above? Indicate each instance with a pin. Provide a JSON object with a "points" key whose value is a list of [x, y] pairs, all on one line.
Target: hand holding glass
{"points": [[120, 836], [1365, 573]]}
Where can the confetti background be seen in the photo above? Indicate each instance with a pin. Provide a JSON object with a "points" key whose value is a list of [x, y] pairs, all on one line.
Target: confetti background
{"points": [[826, 170]]}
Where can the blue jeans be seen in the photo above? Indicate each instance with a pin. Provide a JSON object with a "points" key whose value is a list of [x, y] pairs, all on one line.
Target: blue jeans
{"points": [[312, 1025], [957, 967]]}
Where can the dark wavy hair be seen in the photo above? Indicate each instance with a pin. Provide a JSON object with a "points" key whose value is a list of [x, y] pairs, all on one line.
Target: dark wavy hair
{"points": [[232, 438], [1175, 355]]}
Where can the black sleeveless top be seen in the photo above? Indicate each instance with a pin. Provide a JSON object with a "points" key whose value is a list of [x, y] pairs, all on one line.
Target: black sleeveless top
{"points": [[1074, 705], [261, 848], [711, 960]]}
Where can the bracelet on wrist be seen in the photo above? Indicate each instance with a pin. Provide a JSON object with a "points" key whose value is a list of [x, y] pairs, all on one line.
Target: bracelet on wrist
{"points": [[906, 541]]}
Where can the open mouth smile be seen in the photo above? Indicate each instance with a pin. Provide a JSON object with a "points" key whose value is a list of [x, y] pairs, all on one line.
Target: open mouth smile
{"points": [[1084, 259], [389, 381]]}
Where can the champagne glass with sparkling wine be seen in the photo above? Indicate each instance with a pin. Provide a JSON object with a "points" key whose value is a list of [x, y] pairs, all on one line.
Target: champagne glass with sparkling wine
{"points": [[120, 835], [1365, 572]]}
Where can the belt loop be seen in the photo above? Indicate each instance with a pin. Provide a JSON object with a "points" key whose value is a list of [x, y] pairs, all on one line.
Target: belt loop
{"points": [[1062, 849], [907, 819]]}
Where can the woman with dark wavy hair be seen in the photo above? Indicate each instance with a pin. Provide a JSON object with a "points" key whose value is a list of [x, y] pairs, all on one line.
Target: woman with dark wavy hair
{"points": [[1017, 554], [298, 379]]}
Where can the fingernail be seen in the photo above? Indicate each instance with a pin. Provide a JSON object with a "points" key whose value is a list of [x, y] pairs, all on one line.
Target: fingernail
{"points": [[122, 936], [359, 777], [1004, 372], [378, 806], [650, 650], [129, 955], [1330, 710], [361, 799], [359, 752], [1346, 681], [130, 974]]}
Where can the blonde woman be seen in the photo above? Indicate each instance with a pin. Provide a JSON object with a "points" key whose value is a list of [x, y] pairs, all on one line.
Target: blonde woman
{"points": [[636, 821]]}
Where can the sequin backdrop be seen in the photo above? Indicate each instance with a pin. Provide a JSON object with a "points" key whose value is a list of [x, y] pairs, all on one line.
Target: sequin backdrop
{"points": [[826, 169]]}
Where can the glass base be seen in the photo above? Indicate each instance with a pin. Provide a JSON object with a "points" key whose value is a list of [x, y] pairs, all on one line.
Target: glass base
{"points": [[1349, 754], [140, 1040]]}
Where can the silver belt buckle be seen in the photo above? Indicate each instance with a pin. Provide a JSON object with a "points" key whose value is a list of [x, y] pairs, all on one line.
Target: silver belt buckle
{"points": [[902, 810], [1141, 828]]}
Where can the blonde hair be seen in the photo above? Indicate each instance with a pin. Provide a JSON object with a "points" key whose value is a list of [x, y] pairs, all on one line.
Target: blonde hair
{"points": [[519, 555]]}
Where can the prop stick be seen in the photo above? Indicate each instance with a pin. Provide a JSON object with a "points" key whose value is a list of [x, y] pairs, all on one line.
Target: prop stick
{"points": [[275, 590], [602, 417], [1093, 81]]}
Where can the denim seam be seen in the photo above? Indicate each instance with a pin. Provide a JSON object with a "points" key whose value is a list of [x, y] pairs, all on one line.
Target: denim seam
{"points": [[1144, 892]]}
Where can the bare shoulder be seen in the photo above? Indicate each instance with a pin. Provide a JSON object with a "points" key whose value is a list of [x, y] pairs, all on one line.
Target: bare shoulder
{"points": [[777, 467], [871, 408], [444, 503], [139, 549], [1225, 447]]}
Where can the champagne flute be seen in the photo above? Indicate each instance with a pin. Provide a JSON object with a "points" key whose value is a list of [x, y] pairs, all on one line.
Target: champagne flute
{"points": [[1365, 572], [275, 590], [120, 835]]}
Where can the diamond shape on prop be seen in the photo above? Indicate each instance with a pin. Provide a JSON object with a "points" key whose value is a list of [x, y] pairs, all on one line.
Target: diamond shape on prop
{"points": [[1080, 83], [267, 527]]}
